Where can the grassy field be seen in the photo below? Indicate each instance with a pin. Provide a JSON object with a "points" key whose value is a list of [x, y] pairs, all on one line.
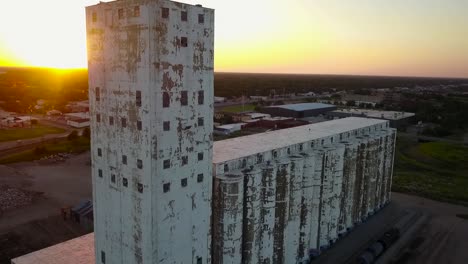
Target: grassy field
{"points": [[436, 170], [76, 146], [238, 108], [25, 133]]}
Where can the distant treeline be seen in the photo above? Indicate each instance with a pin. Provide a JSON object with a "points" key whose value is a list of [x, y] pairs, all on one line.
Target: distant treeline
{"points": [[20, 88]]}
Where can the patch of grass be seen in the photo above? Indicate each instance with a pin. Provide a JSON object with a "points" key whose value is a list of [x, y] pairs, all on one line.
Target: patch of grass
{"points": [[238, 108], [78, 145], [29, 132], [437, 170]]}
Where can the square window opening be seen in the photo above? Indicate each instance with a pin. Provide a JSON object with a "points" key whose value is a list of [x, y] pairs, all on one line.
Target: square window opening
{"points": [[167, 126], [100, 173], [201, 18], [99, 152], [113, 178], [125, 182], [139, 125], [200, 177], [111, 120], [201, 121], [184, 16], [166, 187], [200, 156], [138, 98], [184, 160], [167, 164], [201, 97], [165, 12], [184, 98], [184, 42], [183, 182], [140, 164], [140, 188], [124, 122]]}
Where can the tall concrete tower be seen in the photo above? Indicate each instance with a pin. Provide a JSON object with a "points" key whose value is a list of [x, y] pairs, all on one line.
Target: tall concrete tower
{"points": [[151, 99]]}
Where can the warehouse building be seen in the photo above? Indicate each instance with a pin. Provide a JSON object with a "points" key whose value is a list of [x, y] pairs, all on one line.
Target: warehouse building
{"points": [[281, 196], [298, 110], [397, 119]]}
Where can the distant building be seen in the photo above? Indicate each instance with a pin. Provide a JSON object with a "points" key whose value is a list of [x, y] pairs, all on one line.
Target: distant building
{"points": [[298, 110], [78, 106], [228, 129], [218, 99], [397, 119]]}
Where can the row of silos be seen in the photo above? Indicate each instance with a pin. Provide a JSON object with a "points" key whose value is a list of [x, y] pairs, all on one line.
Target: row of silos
{"points": [[285, 210]]}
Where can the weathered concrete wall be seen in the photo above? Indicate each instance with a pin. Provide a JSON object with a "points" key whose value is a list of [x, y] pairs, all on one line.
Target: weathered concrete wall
{"points": [[152, 205], [228, 215], [298, 200]]}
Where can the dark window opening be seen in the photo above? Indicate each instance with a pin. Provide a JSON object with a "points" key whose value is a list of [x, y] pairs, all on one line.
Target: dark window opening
{"points": [[201, 97], [275, 154], [184, 42], [184, 98], [184, 160], [312, 144], [103, 257], [165, 12], [124, 159], [200, 177], [244, 163], [166, 187], [138, 98], [99, 152], [140, 188], [199, 260], [301, 147], [98, 118], [331, 140], [125, 182], [183, 182], [167, 164], [94, 17], [184, 16], [121, 13], [124, 122], [201, 121], [100, 173], [139, 125], [323, 141], [289, 151], [111, 120], [140, 164], [201, 18], [97, 93], [167, 126], [136, 11], [259, 158], [226, 168], [166, 100], [200, 156], [113, 178]]}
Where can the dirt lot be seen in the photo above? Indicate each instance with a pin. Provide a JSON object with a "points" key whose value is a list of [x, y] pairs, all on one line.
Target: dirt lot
{"points": [[59, 185], [444, 237]]}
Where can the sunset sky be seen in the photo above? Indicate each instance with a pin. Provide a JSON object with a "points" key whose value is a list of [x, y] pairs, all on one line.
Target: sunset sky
{"points": [[369, 37]]}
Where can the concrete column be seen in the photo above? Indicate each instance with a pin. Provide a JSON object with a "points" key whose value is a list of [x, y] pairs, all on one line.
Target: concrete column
{"points": [[228, 218], [306, 206], [268, 199], [292, 232], [317, 181], [283, 177], [252, 215], [349, 180]]}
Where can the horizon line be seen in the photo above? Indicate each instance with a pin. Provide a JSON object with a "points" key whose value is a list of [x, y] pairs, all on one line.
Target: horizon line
{"points": [[263, 73]]}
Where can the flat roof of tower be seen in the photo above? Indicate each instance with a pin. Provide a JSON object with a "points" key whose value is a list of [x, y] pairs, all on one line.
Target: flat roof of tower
{"points": [[76, 251], [237, 148]]}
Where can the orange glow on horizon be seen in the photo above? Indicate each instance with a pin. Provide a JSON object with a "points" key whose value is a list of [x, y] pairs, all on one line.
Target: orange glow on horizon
{"points": [[417, 38]]}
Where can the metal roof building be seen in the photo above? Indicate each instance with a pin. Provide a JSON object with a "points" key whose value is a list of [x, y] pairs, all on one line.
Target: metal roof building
{"points": [[298, 110]]}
